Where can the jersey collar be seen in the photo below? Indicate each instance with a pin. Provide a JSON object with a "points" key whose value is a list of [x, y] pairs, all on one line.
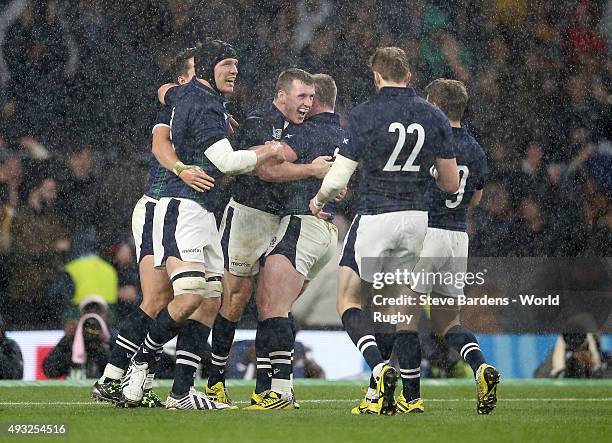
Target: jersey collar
{"points": [[325, 117], [208, 91], [391, 91]]}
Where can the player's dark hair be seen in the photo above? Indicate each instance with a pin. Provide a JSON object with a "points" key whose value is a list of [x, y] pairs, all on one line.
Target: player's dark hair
{"points": [[325, 90], [391, 63], [208, 55], [180, 64], [449, 95], [286, 78]]}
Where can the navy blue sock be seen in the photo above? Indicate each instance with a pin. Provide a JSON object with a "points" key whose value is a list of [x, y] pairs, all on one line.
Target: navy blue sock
{"points": [[222, 338], [190, 347], [264, 368], [385, 342], [464, 342], [293, 328], [356, 325], [132, 333], [408, 351], [162, 330]]}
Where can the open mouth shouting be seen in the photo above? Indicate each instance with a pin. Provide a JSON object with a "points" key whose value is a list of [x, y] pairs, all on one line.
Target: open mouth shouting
{"points": [[302, 111]]}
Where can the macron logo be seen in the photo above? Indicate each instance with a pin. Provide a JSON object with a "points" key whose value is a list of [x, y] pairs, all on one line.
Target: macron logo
{"points": [[345, 141]]}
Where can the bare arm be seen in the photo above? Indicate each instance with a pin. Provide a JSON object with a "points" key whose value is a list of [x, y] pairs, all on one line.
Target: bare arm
{"points": [[166, 156], [288, 171], [447, 175]]}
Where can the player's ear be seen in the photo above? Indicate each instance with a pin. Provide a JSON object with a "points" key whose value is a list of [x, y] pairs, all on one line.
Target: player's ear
{"points": [[377, 79], [408, 77]]}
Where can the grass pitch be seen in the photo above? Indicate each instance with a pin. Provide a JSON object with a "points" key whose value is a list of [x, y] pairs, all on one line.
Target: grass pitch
{"points": [[528, 410]]}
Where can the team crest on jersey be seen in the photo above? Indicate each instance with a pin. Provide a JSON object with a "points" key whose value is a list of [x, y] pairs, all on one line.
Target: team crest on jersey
{"points": [[277, 133]]}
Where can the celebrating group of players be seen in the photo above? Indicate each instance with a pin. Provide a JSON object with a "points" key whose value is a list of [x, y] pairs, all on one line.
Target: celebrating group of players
{"points": [[292, 162]]}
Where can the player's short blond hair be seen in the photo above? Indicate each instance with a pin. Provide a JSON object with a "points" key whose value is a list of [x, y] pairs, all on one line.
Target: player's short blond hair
{"points": [[325, 90], [391, 63], [286, 78]]}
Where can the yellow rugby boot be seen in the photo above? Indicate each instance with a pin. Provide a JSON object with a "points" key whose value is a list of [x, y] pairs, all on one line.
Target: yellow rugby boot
{"points": [[218, 393], [271, 401], [385, 389], [366, 406], [257, 398], [487, 379], [410, 407]]}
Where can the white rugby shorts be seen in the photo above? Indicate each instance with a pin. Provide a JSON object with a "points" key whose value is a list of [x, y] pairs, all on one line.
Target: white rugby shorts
{"points": [[246, 235], [379, 237], [442, 263], [185, 230], [308, 242], [142, 226]]}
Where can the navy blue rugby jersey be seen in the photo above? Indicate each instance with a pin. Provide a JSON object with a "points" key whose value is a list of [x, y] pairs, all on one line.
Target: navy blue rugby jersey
{"points": [[157, 173], [319, 135], [395, 137], [263, 124], [198, 120], [449, 211]]}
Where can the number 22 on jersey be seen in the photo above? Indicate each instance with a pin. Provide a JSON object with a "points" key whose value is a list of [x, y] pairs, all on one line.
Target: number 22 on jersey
{"points": [[409, 165]]}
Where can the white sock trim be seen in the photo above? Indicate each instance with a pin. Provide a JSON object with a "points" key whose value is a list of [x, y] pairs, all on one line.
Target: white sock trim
{"points": [[112, 372], [283, 387]]}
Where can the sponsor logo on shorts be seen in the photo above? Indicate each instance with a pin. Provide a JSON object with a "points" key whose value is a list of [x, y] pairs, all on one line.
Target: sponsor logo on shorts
{"points": [[191, 251], [239, 264]]}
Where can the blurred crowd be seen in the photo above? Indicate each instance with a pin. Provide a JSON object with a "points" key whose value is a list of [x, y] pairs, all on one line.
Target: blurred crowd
{"points": [[77, 97]]}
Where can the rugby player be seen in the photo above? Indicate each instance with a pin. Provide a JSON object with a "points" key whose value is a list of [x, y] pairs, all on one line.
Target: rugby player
{"points": [[252, 218], [302, 245], [185, 235], [395, 138], [445, 250], [156, 288]]}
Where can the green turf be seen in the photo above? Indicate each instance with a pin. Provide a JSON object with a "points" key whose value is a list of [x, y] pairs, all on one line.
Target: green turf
{"points": [[540, 411]]}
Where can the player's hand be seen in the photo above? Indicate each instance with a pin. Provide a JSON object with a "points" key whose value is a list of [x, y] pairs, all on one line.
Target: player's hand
{"points": [[341, 196], [318, 212], [197, 179], [321, 165], [233, 124], [277, 149]]}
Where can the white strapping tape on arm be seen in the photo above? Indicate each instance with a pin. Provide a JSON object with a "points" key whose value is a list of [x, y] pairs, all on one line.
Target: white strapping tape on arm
{"points": [[228, 161], [338, 176]]}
